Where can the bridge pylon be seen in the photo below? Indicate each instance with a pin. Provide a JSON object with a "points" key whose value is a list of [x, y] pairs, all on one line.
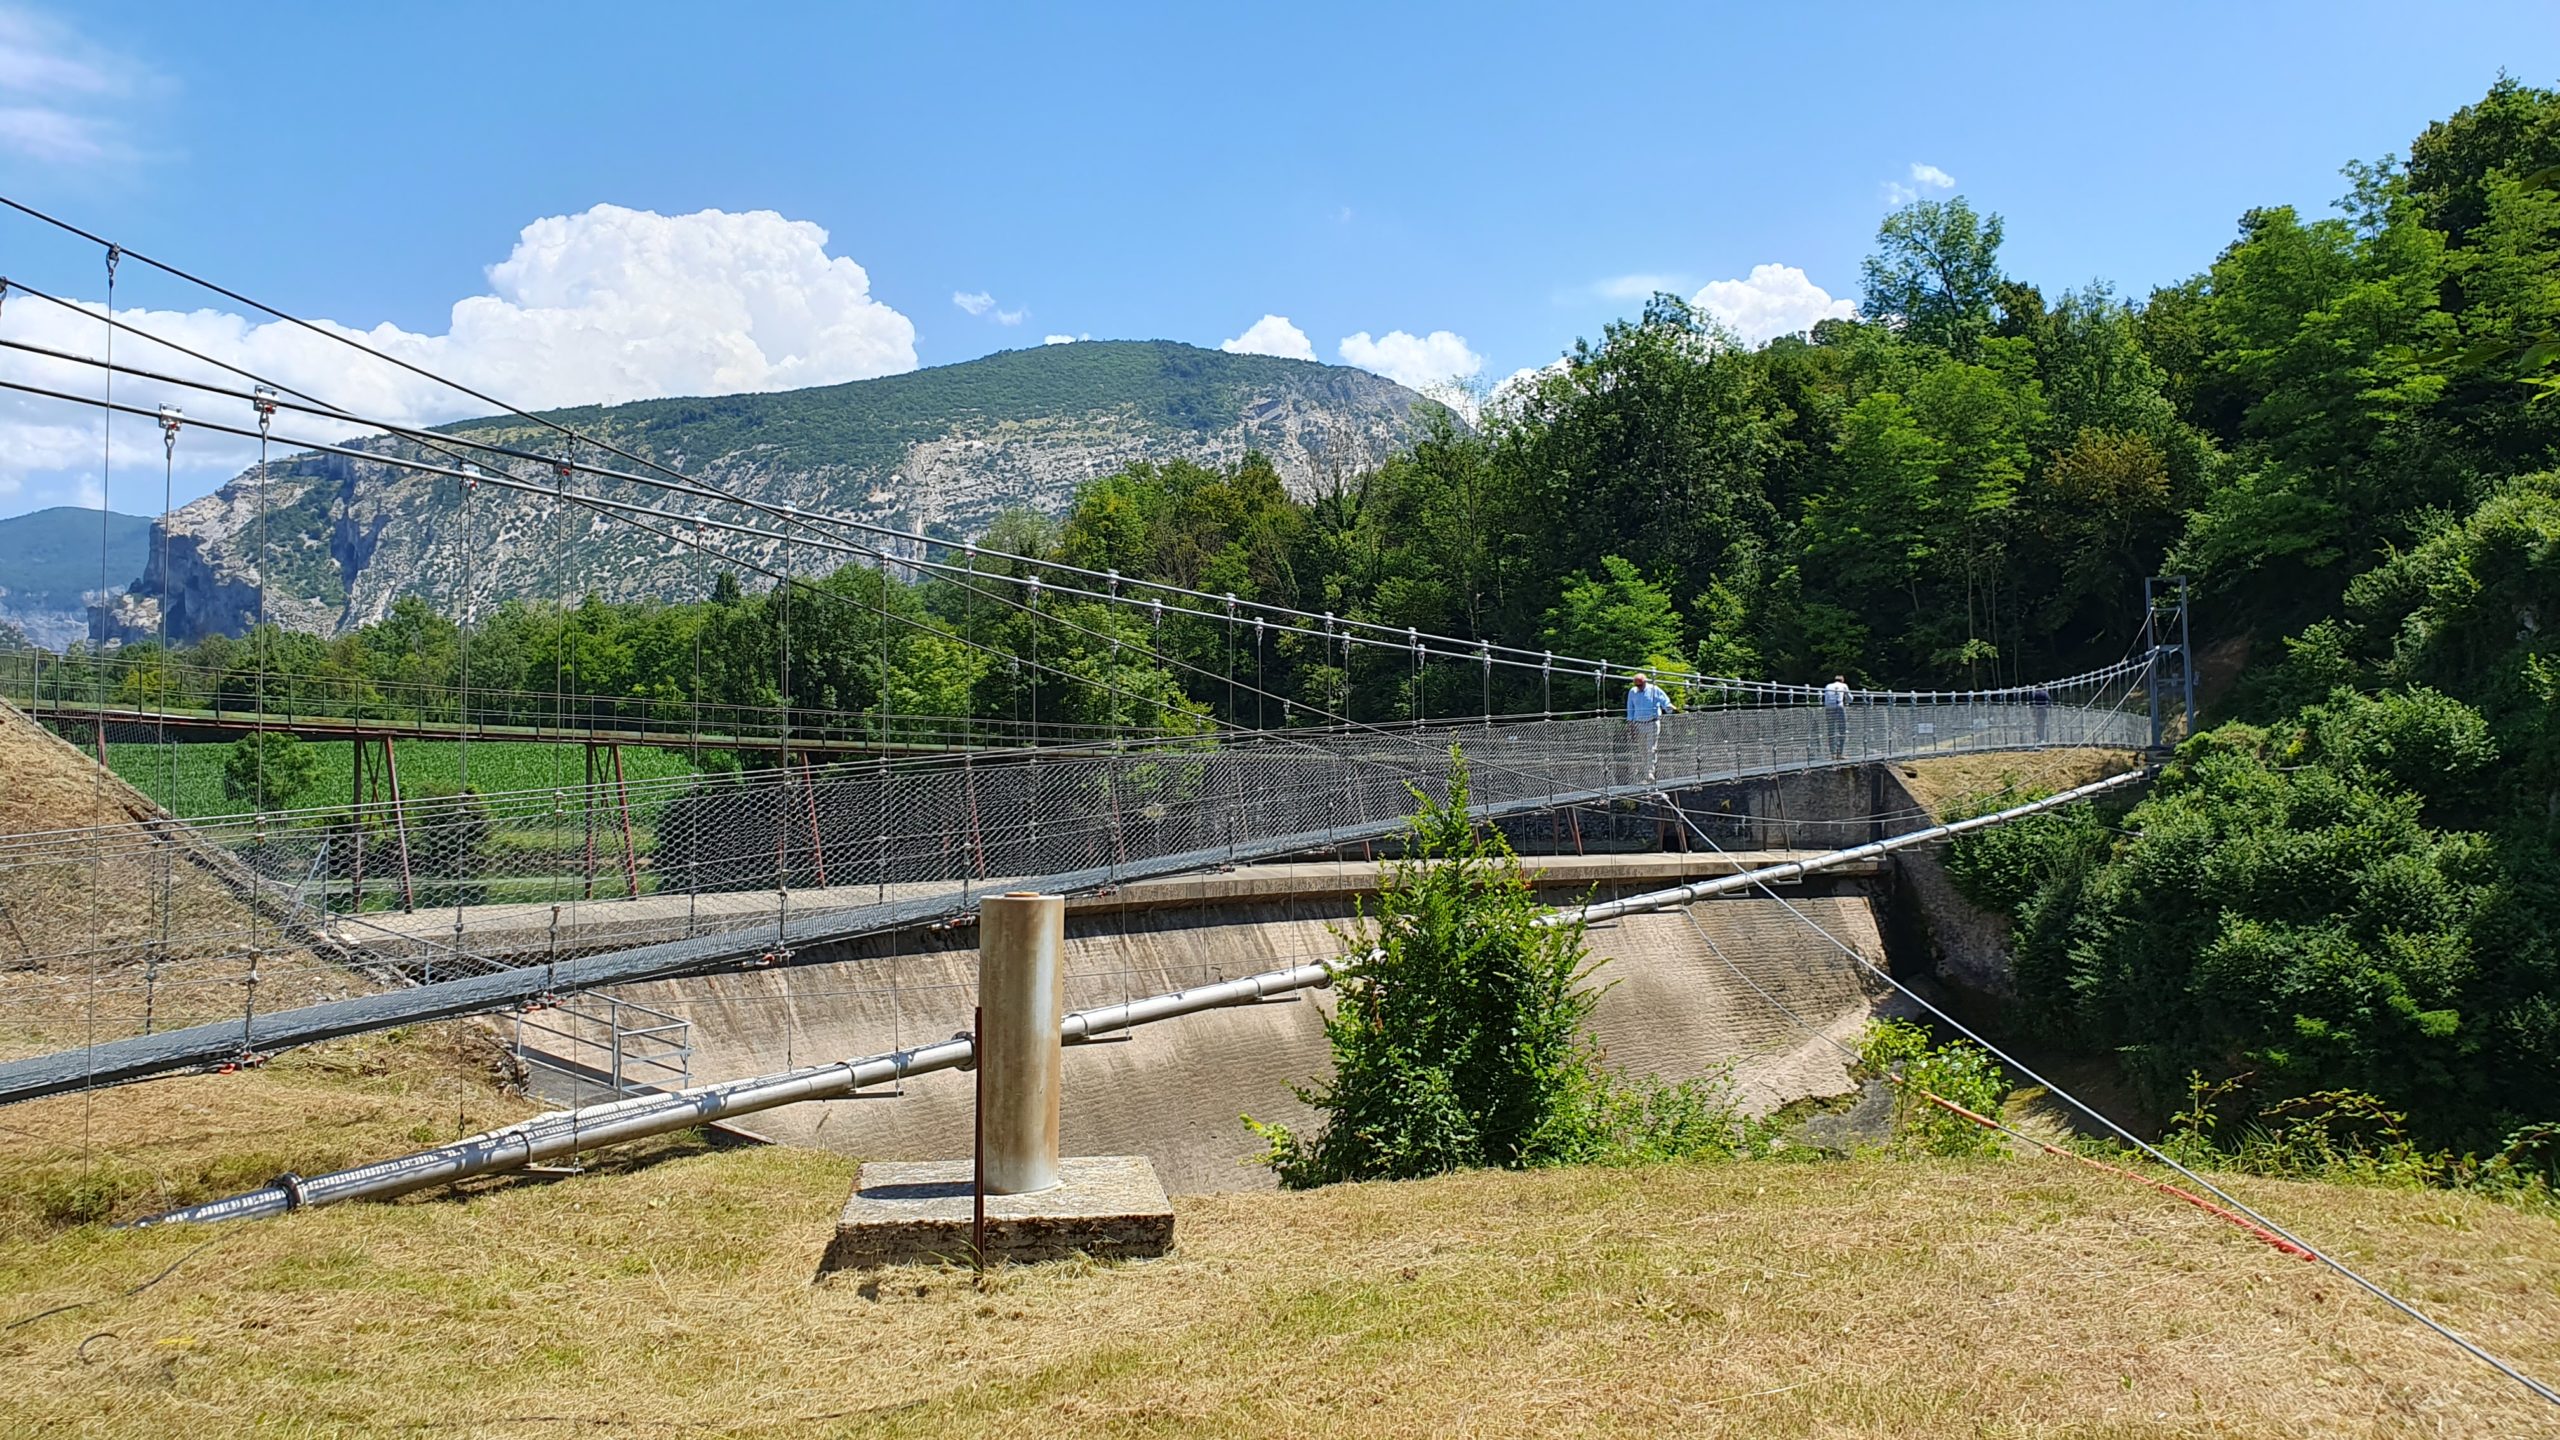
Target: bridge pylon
{"points": [[2172, 656]]}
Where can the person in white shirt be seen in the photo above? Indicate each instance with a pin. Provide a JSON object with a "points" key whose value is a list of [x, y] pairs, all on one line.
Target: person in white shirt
{"points": [[1835, 713], [1646, 705]]}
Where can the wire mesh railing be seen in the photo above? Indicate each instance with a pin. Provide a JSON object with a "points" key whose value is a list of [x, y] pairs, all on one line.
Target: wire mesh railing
{"points": [[464, 884]]}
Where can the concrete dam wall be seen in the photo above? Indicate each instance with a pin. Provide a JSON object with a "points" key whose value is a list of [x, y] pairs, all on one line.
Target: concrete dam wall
{"points": [[1675, 1004]]}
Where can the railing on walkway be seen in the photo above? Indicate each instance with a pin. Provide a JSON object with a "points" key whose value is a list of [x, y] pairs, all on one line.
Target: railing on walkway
{"points": [[587, 1040], [468, 881]]}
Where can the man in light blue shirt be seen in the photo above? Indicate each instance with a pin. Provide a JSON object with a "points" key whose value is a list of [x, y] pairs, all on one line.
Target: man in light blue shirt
{"points": [[1646, 705]]}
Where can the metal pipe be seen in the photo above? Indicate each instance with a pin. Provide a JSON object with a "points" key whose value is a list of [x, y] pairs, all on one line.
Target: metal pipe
{"points": [[1796, 869], [564, 1132]]}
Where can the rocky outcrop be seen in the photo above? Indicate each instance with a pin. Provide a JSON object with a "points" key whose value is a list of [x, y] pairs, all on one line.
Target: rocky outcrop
{"points": [[335, 540]]}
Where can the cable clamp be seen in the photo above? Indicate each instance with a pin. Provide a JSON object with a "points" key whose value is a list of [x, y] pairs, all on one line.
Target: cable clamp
{"points": [[295, 1198]]}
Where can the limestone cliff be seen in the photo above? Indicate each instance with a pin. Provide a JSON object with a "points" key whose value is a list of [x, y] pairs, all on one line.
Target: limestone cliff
{"points": [[941, 451]]}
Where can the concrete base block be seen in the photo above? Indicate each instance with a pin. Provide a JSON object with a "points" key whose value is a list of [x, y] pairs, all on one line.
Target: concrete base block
{"points": [[1110, 1207]]}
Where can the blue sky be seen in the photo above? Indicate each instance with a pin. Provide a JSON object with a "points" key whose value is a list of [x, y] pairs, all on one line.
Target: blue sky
{"points": [[1484, 180]]}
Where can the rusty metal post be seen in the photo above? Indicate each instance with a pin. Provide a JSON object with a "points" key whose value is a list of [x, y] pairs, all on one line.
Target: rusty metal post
{"points": [[587, 807], [1022, 991], [817, 842], [399, 826], [630, 847], [355, 840], [978, 1141]]}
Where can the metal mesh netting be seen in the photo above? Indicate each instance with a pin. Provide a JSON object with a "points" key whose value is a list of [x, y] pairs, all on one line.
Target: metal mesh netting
{"points": [[467, 884]]}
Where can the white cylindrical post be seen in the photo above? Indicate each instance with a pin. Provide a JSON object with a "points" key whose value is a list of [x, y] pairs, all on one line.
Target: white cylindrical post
{"points": [[1022, 992]]}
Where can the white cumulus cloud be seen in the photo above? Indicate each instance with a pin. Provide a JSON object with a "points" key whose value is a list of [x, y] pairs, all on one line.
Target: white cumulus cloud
{"points": [[1924, 178], [609, 304], [1271, 335], [1063, 339], [1773, 300], [1438, 360]]}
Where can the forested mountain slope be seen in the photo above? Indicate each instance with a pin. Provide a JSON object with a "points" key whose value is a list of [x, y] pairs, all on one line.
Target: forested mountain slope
{"points": [[943, 450], [49, 567]]}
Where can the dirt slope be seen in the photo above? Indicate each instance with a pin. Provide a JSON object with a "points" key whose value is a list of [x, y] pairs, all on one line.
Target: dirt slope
{"points": [[114, 917]]}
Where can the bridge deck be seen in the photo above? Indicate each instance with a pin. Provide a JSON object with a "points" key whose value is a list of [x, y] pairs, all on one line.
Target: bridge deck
{"points": [[519, 931]]}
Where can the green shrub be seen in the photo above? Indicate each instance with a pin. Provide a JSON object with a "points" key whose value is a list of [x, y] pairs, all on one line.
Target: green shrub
{"points": [[1459, 1041], [2352, 1137], [1957, 1072]]}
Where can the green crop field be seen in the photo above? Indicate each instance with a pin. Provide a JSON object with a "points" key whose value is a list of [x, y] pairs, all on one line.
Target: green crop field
{"points": [[187, 778]]}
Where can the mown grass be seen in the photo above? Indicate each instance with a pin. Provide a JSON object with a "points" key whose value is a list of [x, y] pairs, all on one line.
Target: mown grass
{"points": [[186, 779], [1996, 1297]]}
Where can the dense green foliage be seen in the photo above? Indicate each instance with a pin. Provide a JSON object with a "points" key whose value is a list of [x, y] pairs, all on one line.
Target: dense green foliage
{"points": [[2351, 892], [1459, 1042], [268, 771]]}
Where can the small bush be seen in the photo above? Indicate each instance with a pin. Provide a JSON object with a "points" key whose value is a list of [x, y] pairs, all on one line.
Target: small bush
{"points": [[2351, 1137], [1459, 1043], [1957, 1072]]}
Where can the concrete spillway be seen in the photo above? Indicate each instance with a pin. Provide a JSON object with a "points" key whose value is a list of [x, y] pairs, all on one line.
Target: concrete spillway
{"points": [[1174, 1092]]}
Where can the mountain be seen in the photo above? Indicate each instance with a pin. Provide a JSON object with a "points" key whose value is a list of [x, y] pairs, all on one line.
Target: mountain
{"points": [[49, 568], [942, 451]]}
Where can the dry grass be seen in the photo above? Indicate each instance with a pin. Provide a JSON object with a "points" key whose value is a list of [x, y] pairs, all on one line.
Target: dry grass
{"points": [[1866, 1298], [138, 1149], [1960, 779]]}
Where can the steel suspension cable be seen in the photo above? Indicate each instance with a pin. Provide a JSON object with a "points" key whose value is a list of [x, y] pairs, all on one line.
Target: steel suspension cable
{"points": [[442, 440], [442, 443]]}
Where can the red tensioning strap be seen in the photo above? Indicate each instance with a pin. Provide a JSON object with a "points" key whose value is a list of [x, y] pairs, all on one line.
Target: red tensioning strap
{"points": [[2163, 1186]]}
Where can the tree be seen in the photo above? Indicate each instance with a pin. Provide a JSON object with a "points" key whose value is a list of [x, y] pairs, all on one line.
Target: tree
{"points": [[1869, 536], [1654, 444], [1937, 269], [268, 771], [1617, 616]]}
